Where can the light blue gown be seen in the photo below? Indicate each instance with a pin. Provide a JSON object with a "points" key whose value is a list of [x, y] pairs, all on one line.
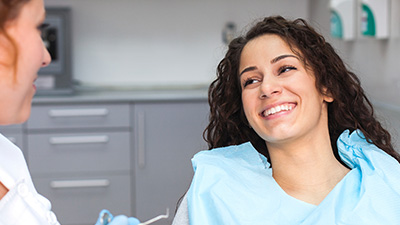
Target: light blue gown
{"points": [[234, 185]]}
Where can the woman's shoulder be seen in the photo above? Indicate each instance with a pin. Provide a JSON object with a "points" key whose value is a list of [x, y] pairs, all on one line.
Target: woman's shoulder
{"points": [[9, 149], [12, 163], [244, 155], [356, 151], [227, 151], [10, 154], [232, 152], [374, 164]]}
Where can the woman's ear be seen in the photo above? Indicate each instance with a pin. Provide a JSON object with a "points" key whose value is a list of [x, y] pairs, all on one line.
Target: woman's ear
{"points": [[7, 50], [327, 95]]}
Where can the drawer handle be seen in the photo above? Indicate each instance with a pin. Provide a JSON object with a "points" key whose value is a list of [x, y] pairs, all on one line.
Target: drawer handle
{"points": [[77, 112], [101, 139], [79, 183]]}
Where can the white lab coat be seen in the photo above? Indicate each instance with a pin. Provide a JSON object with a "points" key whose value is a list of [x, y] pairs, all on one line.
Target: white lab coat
{"points": [[22, 205]]}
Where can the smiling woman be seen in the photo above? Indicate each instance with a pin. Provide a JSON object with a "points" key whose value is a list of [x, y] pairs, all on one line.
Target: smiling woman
{"points": [[22, 54], [292, 137]]}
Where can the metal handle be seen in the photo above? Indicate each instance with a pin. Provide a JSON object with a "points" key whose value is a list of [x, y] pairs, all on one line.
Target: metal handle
{"points": [[141, 140], [79, 183], [100, 139], [77, 112]]}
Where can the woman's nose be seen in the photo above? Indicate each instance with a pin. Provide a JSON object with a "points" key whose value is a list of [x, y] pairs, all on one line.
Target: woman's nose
{"points": [[270, 88], [46, 57]]}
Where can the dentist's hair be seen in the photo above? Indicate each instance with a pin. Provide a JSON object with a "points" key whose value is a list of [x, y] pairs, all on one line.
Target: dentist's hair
{"points": [[350, 109], [9, 11]]}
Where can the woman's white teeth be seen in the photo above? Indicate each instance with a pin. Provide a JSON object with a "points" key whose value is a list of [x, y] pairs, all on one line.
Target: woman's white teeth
{"points": [[277, 109]]}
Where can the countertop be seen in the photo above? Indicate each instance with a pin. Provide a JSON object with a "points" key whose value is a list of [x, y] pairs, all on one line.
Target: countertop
{"points": [[104, 95]]}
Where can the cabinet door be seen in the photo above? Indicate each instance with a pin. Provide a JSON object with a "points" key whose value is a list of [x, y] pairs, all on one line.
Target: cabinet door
{"points": [[78, 199], [167, 135]]}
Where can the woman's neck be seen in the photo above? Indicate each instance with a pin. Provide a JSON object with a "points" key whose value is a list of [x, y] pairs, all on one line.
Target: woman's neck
{"points": [[307, 171]]}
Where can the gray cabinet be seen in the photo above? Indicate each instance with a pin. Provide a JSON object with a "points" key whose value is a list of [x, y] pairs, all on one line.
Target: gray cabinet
{"points": [[78, 199], [166, 136], [131, 157], [79, 158]]}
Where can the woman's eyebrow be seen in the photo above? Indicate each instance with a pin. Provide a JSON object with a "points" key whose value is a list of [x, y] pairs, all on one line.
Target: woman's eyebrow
{"points": [[274, 60], [251, 68]]}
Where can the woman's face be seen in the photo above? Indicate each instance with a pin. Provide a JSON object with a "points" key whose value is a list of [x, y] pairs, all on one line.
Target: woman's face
{"points": [[17, 87], [279, 96]]}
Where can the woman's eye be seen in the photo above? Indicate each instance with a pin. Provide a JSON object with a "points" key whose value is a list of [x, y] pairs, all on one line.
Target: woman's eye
{"points": [[285, 69], [43, 26], [249, 81]]}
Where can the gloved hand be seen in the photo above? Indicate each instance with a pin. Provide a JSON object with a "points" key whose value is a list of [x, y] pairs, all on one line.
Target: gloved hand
{"points": [[106, 216]]}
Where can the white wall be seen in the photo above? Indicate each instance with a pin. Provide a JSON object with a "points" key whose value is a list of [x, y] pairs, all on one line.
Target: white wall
{"points": [[136, 43], [376, 62]]}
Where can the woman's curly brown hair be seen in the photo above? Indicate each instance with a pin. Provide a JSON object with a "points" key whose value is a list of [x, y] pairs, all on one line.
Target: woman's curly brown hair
{"points": [[350, 109]]}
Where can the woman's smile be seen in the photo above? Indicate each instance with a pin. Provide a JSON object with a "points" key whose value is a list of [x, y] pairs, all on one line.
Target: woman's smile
{"points": [[277, 110]]}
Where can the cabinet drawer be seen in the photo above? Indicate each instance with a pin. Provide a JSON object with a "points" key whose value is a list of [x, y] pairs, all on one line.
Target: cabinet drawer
{"points": [[78, 200], [78, 152], [79, 116]]}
